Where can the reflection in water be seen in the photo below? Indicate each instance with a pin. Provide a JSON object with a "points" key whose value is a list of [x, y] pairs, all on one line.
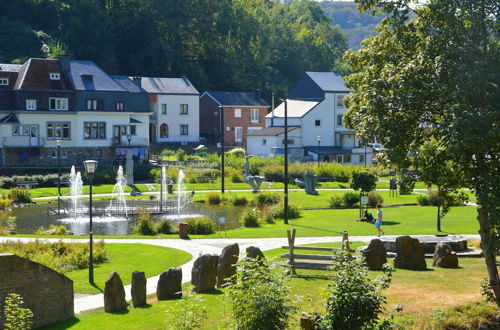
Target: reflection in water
{"points": [[102, 226]]}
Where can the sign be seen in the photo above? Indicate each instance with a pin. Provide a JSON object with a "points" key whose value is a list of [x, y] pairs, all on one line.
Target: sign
{"points": [[364, 199], [222, 220]]}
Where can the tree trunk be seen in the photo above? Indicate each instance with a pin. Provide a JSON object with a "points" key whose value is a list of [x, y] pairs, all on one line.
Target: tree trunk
{"points": [[488, 250]]}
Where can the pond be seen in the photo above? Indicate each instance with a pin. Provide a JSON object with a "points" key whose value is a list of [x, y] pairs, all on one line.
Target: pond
{"points": [[32, 217]]}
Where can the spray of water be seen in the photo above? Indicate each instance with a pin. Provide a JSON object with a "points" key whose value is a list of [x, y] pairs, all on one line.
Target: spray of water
{"points": [[76, 187], [118, 200], [180, 190], [164, 183]]}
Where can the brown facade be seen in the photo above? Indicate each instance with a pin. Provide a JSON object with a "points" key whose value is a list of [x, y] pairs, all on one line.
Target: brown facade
{"points": [[209, 120]]}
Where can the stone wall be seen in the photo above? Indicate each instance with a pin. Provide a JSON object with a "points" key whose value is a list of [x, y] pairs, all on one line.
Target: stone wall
{"points": [[47, 293]]}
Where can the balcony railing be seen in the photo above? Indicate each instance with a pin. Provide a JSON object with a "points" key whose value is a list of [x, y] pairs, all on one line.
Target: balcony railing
{"points": [[134, 141], [23, 141]]}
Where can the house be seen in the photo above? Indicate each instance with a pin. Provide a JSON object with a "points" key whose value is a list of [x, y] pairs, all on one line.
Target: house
{"points": [[316, 105], [74, 103], [268, 142], [175, 107], [243, 112]]}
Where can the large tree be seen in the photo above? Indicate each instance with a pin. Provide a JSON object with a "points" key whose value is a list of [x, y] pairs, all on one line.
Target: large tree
{"points": [[431, 77]]}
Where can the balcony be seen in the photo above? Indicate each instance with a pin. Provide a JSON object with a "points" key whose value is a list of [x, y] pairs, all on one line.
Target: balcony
{"points": [[22, 142], [134, 142]]}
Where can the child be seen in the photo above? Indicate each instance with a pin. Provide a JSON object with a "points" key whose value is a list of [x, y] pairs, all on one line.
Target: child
{"points": [[378, 222]]}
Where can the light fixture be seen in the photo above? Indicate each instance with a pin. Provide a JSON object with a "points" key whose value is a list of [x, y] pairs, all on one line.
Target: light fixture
{"points": [[90, 166]]}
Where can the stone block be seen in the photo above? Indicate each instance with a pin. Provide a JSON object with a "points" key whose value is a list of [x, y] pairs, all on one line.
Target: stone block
{"points": [[204, 273], [227, 263], [138, 289], [170, 284], [114, 294]]}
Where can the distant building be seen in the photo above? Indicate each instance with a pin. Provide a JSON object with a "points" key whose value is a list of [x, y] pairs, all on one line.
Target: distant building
{"points": [[243, 112]]}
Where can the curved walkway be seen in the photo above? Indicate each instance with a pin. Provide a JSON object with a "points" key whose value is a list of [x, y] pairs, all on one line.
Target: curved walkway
{"points": [[194, 247]]}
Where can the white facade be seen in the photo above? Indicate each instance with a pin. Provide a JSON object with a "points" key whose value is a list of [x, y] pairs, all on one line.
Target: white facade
{"points": [[272, 145], [170, 110]]}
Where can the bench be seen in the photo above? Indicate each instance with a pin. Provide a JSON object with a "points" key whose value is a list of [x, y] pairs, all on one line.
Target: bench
{"points": [[206, 179], [26, 184]]}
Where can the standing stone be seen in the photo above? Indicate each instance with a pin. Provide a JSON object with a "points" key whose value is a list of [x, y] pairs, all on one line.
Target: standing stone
{"points": [[254, 252], [444, 256], [114, 294], [375, 255], [409, 253], [204, 273], [170, 284], [227, 263], [138, 290]]}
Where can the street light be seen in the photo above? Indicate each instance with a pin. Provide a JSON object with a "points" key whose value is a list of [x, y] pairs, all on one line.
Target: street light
{"points": [[58, 144], [90, 168], [285, 202], [161, 184], [319, 138], [221, 114], [129, 137]]}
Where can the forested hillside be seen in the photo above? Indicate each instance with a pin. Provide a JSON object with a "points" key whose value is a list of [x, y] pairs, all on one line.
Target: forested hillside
{"points": [[218, 44]]}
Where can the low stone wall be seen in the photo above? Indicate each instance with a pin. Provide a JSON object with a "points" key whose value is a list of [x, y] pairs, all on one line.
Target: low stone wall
{"points": [[47, 293]]}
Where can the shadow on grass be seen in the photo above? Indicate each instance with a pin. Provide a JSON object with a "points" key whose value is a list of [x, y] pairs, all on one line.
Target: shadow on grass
{"points": [[97, 287], [145, 306], [316, 228], [390, 223], [119, 313], [215, 292], [312, 277], [62, 325]]}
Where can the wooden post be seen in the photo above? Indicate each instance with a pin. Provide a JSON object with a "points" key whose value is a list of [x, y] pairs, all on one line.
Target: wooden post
{"points": [[306, 322], [291, 243], [345, 241]]}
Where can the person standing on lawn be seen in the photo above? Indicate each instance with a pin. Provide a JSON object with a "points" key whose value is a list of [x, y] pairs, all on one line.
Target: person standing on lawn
{"points": [[378, 222]]}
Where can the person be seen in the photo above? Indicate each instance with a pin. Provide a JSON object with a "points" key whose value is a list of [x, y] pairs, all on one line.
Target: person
{"points": [[368, 217], [378, 222]]}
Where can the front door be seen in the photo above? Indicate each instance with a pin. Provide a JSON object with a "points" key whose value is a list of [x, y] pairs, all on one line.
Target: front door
{"points": [[238, 134], [34, 140]]}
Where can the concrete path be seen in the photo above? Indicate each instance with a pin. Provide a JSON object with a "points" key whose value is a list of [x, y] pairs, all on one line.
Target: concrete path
{"points": [[194, 247]]}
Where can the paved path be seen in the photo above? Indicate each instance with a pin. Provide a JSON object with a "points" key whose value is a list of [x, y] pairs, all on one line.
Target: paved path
{"points": [[194, 247]]}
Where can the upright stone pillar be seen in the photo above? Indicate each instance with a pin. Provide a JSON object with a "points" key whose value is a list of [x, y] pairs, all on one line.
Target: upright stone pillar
{"points": [[129, 166]]}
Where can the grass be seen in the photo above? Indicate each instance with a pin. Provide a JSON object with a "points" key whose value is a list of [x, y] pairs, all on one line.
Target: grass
{"points": [[126, 258]]}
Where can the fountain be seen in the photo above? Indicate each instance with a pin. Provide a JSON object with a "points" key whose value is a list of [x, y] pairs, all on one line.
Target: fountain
{"points": [[180, 189], [76, 189], [164, 184], [118, 198]]}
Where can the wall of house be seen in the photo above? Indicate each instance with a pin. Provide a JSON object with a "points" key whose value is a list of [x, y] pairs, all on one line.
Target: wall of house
{"points": [[256, 147], [231, 121], [292, 121], [133, 102], [209, 119], [174, 119], [42, 99]]}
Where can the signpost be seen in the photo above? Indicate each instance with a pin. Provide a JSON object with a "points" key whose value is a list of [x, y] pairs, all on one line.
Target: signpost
{"points": [[222, 221]]}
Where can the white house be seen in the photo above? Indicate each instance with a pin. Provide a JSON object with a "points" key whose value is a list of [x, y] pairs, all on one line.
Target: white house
{"points": [[268, 142], [175, 105]]}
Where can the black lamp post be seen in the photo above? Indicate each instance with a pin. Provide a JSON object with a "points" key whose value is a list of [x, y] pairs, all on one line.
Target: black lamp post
{"points": [[90, 167], [129, 138], [318, 139], [221, 114], [161, 186], [285, 202], [58, 144]]}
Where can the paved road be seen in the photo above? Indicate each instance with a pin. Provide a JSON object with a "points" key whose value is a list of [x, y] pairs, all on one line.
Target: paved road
{"points": [[194, 247]]}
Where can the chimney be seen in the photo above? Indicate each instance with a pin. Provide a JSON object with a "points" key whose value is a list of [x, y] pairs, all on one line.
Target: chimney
{"points": [[257, 93], [137, 81], [64, 62]]}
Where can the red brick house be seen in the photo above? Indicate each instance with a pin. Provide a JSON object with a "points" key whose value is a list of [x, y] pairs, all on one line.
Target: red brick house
{"points": [[243, 112]]}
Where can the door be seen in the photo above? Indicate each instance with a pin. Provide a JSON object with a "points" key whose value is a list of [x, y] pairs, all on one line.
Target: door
{"points": [[34, 140], [238, 134]]}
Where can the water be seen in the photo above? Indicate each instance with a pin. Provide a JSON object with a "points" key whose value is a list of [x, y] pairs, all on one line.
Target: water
{"points": [[76, 189], [180, 190], [118, 200]]}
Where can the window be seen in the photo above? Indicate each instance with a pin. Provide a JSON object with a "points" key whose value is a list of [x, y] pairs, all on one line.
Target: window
{"points": [[98, 153], [164, 131], [237, 113], [91, 104], [347, 158], [184, 129], [53, 154], [361, 158], [4, 81], [15, 130], [94, 130], [55, 76], [57, 103], [30, 104], [133, 130], [119, 106], [163, 109], [340, 100], [184, 109], [317, 122], [339, 158], [339, 120], [64, 153], [238, 134], [290, 141], [254, 116], [264, 142], [58, 130]]}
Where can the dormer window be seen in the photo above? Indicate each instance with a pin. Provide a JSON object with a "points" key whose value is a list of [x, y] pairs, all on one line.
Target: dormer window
{"points": [[4, 81], [55, 76]]}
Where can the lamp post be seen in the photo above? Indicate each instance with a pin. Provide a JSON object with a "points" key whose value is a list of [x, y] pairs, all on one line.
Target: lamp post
{"points": [[221, 114], [285, 193], [161, 186], [58, 144], [129, 138], [90, 167], [318, 139]]}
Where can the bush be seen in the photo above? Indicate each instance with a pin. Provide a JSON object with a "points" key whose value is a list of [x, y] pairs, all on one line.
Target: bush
{"points": [[238, 152], [201, 226], [272, 172], [260, 299], [374, 198], [5, 203], [239, 200], [268, 215], [250, 218], [11, 224], [363, 181], [267, 198], [20, 195], [164, 226], [336, 201], [350, 199], [423, 200], [181, 154], [293, 211], [433, 197], [16, 317], [144, 225], [406, 182], [235, 175], [213, 198], [187, 313]]}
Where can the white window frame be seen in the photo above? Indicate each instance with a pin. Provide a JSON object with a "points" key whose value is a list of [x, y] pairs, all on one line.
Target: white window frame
{"points": [[237, 113], [58, 126], [240, 130], [4, 81], [60, 103], [119, 105], [182, 131], [183, 109], [91, 104], [164, 107], [340, 101], [254, 116], [30, 104], [54, 76]]}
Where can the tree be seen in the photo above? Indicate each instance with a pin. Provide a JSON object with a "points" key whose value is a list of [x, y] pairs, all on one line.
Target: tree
{"points": [[435, 77]]}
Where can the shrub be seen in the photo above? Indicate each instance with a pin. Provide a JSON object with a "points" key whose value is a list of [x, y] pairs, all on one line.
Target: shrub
{"points": [[239, 200], [164, 226], [201, 226], [293, 211], [16, 317], [268, 214], [272, 172], [363, 181], [11, 224], [267, 198], [168, 153], [238, 152], [336, 201], [374, 198], [354, 301], [350, 199], [181, 154], [20, 195], [213, 198], [423, 200], [144, 225], [5, 203], [433, 197], [250, 218], [260, 299], [187, 313]]}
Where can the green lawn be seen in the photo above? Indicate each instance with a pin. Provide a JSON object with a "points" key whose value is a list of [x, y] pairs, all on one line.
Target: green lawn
{"points": [[126, 258]]}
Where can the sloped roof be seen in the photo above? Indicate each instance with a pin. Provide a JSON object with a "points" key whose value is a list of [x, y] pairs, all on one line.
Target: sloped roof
{"points": [[10, 67], [270, 131], [127, 84], [34, 74], [9, 119], [168, 86], [295, 108], [328, 81], [237, 98], [87, 76], [12, 76]]}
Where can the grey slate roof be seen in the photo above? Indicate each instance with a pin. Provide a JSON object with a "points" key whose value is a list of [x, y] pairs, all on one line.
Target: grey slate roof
{"points": [[100, 81], [168, 86], [270, 131], [10, 67], [128, 84], [328, 81], [237, 98], [295, 109]]}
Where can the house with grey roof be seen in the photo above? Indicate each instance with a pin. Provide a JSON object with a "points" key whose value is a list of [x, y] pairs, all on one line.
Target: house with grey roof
{"points": [[315, 104], [243, 112], [175, 107]]}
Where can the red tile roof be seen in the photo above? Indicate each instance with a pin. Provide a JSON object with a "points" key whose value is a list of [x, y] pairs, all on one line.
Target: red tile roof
{"points": [[34, 74]]}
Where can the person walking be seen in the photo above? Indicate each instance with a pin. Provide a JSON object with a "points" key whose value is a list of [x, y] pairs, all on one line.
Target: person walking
{"points": [[378, 222]]}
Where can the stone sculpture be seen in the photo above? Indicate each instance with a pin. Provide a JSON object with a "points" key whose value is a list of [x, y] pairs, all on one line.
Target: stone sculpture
{"points": [[138, 289], [375, 255], [409, 253], [253, 180], [204, 273], [444, 256], [170, 284], [227, 264], [114, 294]]}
